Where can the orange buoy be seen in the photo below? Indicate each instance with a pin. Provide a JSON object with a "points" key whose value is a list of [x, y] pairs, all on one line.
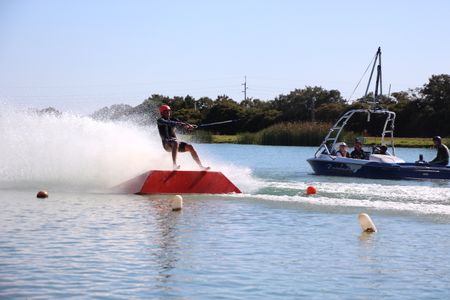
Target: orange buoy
{"points": [[310, 190], [42, 194]]}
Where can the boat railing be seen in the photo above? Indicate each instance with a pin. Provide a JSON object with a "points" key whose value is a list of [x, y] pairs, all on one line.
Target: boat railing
{"points": [[388, 129], [328, 144]]}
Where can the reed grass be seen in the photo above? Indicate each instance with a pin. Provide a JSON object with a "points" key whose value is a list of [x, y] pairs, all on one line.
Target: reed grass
{"points": [[222, 138], [201, 136], [287, 134], [416, 142], [299, 134]]}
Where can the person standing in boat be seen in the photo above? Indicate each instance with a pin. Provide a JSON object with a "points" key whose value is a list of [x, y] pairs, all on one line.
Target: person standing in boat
{"points": [[358, 152], [442, 155], [166, 128], [342, 152]]}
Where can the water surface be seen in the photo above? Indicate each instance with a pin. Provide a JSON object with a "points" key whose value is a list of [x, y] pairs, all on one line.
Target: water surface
{"points": [[271, 242]]}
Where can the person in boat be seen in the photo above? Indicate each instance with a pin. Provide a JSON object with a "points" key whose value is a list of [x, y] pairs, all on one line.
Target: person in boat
{"points": [[383, 150], [166, 127], [358, 152], [442, 155], [342, 152]]}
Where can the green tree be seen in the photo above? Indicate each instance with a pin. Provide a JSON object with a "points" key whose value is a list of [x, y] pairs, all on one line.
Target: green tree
{"points": [[437, 92], [204, 104], [436, 105], [330, 112], [224, 108], [188, 115], [301, 104], [257, 119]]}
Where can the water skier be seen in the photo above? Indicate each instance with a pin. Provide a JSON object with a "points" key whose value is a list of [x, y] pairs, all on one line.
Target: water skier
{"points": [[166, 128]]}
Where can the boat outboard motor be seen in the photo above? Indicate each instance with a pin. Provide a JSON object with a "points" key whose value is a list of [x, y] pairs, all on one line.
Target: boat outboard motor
{"points": [[421, 161]]}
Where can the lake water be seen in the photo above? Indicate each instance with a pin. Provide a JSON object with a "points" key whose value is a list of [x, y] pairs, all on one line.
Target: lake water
{"points": [[271, 242]]}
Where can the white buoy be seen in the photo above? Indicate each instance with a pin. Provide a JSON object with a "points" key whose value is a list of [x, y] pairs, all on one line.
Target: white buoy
{"points": [[176, 202], [366, 223]]}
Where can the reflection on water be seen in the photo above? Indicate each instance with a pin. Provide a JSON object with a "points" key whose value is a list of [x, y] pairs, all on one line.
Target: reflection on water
{"points": [[367, 237], [166, 253]]}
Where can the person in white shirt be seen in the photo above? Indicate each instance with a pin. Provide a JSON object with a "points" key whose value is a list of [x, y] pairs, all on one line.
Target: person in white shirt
{"points": [[342, 152]]}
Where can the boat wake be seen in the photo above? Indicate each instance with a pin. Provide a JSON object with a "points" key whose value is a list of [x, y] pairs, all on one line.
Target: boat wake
{"points": [[341, 197]]}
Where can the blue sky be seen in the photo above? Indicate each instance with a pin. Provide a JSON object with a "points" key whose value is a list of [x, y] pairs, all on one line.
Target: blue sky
{"points": [[84, 55]]}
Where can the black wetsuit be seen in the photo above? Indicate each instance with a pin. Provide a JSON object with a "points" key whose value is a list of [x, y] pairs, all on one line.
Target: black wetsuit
{"points": [[441, 157], [358, 154], [166, 128]]}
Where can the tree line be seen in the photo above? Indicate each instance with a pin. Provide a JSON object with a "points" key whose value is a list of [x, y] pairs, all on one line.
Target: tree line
{"points": [[421, 112]]}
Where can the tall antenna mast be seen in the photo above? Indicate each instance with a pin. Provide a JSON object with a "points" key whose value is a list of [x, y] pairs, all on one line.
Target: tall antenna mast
{"points": [[378, 84]]}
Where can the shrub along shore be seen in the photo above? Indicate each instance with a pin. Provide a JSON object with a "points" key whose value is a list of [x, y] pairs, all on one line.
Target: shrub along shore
{"points": [[305, 134], [406, 142]]}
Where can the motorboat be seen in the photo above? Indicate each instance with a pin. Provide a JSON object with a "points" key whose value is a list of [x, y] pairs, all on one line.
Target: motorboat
{"points": [[379, 166], [375, 165]]}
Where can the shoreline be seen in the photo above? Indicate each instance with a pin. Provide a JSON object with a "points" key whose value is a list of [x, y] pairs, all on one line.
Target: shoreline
{"points": [[402, 142]]}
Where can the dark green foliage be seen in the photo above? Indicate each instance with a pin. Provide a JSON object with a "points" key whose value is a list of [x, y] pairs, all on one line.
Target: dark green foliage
{"points": [[421, 112], [436, 103], [224, 109], [255, 119], [201, 136], [330, 112], [300, 104], [189, 115]]}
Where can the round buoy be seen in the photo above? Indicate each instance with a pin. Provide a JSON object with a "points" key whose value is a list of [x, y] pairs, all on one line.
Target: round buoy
{"points": [[366, 223], [310, 190], [176, 202], [42, 194]]}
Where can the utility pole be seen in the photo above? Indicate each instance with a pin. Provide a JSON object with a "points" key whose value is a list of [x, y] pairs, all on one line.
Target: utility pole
{"points": [[245, 88]]}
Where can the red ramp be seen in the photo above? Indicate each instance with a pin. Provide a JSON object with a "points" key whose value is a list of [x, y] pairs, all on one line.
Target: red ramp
{"points": [[179, 182]]}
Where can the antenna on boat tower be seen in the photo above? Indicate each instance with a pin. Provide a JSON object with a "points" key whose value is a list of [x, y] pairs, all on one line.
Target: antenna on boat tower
{"points": [[378, 84]]}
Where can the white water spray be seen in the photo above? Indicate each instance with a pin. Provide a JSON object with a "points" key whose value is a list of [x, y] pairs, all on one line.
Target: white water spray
{"points": [[70, 152]]}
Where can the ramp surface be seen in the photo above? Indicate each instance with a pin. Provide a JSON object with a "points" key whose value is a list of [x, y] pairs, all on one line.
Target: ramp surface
{"points": [[179, 182]]}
